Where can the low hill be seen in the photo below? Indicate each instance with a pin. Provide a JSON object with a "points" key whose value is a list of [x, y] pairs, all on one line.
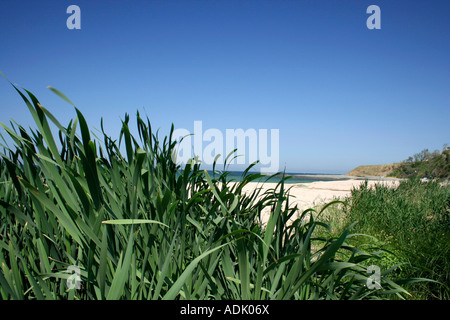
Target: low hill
{"points": [[380, 170], [425, 164]]}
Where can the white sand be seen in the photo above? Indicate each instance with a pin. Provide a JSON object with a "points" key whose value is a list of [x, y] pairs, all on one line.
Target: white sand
{"points": [[308, 195]]}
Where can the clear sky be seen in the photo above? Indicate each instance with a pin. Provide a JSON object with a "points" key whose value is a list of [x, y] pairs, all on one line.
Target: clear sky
{"points": [[340, 94]]}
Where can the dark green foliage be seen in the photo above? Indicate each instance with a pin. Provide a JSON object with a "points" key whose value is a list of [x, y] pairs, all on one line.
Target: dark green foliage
{"points": [[142, 227], [434, 165], [414, 221]]}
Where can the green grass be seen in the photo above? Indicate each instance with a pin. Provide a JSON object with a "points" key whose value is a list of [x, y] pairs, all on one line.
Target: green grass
{"points": [[411, 222], [140, 227]]}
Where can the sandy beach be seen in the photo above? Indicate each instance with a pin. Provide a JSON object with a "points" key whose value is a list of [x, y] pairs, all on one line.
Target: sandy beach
{"points": [[308, 195]]}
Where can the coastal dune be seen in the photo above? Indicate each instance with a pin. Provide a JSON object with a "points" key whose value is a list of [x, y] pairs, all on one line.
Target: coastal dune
{"points": [[309, 195]]}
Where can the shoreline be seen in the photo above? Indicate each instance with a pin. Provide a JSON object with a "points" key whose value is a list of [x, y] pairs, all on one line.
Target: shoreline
{"points": [[337, 177]]}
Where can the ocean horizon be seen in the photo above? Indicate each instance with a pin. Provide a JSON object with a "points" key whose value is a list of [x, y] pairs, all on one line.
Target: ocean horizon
{"points": [[294, 177]]}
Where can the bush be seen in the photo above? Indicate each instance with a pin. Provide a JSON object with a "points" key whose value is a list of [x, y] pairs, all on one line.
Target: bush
{"points": [[413, 221], [434, 165]]}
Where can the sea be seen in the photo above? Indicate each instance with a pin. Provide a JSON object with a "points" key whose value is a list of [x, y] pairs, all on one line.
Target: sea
{"points": [[294, 177]]}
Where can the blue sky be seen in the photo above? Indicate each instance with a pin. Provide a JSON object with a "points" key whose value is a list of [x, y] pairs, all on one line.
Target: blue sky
{"points": [[340, 94]]}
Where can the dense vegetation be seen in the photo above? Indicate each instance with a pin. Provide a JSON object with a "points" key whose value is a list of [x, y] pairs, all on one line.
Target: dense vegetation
{"points": [[412, 222], [138, 226], [425, 164]]}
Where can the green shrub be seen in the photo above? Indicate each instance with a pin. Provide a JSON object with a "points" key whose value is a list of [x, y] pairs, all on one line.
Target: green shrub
{"points": [[411, 220], [434, 165]]}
